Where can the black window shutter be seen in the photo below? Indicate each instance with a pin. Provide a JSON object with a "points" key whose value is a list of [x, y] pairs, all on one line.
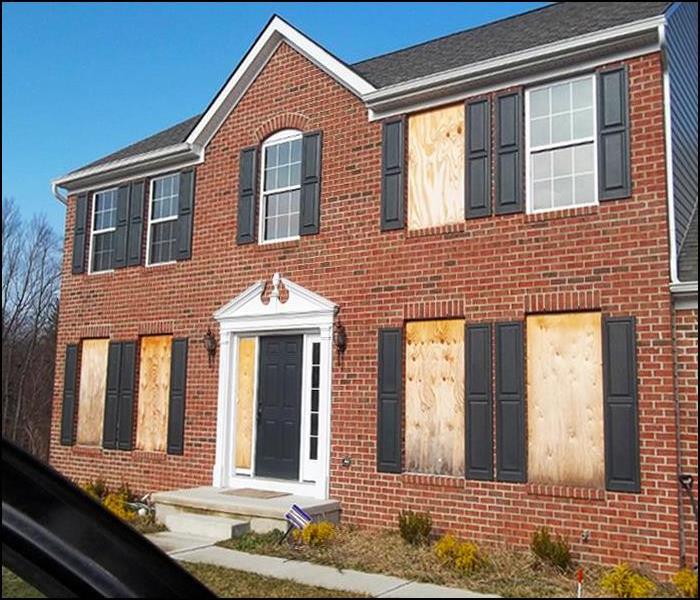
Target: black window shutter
{"points": [[70, 378], [621, 420], [176, 410], [310, 205], [135, 235], [393, 161], [389, 384], [247, 179], [109, 431], [125, 425], [185, 215], [614, 179], [121, 233], [509, 165], [510, 403], [477, 177], [79, 234], [479, 414]]}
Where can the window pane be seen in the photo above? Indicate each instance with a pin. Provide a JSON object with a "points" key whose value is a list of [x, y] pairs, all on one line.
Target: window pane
{"points": [[313, 448], [296, 151], [583, 189], [563, 192], [583, 158], [542, 195], [102, 251], [583, 123], [163, 242], [105, 210], [539, 132], [283, 177], [270, 179], [314, 400], [283, 226], [561, 128], [541, 165], [271, 156], [315, 377], [316, 353], [295, 174], [562, 162], [314, 423], [561, 98], [283, 154], [165, 197], [539, 103], [271, 228], [582, 93]]}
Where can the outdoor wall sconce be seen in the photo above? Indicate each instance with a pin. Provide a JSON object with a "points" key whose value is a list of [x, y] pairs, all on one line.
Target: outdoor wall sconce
{"points": [[210, 344], [340, 337]]}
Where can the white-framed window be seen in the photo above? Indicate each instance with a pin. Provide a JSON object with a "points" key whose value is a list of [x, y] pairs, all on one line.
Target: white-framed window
{"points": [[162, 219], [561, 143], [104, 224], [281, 186]]}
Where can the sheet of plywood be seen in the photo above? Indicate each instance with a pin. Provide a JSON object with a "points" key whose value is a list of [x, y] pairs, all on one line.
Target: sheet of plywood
{"points": [[436, 167], [565, 399], [93, 385], [435, 397], [245, 401], [154, 393]]}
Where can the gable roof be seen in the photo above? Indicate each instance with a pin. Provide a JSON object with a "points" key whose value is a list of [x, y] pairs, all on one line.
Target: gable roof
{"points": [[552, 23]]}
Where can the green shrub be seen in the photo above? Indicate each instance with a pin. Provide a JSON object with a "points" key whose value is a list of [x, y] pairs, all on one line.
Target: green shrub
{"points": [[554, 551], [461, 556], [315, 534], [415, 527], [686, 582], [623, 582]]}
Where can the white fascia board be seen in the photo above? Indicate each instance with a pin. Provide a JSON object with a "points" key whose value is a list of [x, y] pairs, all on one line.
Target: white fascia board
{"points": [[638, 37], [685, 294], [277, 31], [137, 165]]}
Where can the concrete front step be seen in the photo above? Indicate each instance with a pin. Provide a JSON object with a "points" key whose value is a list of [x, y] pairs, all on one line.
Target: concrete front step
{"points": [[208, 526], [262, 514]]}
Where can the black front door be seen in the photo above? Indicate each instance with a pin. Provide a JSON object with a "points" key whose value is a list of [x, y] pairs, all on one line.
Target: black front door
{"points": [[279, 407]]}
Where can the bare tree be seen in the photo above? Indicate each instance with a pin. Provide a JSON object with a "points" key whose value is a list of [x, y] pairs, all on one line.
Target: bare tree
{"points": [[30, 280]]}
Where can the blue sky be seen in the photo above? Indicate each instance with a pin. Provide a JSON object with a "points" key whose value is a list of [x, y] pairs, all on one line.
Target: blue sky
{"points": [[82, 80]]}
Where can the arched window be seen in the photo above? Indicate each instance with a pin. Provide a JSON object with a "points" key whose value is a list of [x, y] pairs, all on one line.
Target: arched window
{"points": [[281, 186]]}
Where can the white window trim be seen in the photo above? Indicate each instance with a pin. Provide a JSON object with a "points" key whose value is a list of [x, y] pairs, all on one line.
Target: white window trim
{"points": [[285, 135], [94, 232], [572, 143], [152, 221]]}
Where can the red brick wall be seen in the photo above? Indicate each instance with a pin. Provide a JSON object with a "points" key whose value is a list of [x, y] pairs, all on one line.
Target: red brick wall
{"points": [[686, 335], [613, 258]]}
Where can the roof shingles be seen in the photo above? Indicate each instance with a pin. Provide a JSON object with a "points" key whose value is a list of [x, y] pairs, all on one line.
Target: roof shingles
{"points": [[552, 23]]}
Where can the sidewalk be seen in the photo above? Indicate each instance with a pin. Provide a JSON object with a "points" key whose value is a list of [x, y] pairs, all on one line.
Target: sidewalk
{"points": [[202, 550]]}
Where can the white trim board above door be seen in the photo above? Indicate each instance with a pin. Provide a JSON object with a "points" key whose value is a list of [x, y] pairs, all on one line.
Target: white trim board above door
{"points": [[250, 316]]}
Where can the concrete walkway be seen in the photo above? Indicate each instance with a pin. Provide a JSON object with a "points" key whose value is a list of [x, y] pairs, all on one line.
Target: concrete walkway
{"points": [[201, 550]]}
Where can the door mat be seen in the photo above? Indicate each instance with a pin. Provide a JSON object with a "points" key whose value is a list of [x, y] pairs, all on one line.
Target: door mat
{"points": [[251, 493]]}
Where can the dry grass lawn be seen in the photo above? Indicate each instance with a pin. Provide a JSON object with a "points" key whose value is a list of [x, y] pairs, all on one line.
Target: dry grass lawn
{"points": [[513, 574]]}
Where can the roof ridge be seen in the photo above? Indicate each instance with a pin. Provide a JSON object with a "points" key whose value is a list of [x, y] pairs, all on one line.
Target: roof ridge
{"points": [[454, 33]]}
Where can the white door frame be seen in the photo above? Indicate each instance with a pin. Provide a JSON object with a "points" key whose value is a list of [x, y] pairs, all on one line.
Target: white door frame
{"points": [[248, 315]]}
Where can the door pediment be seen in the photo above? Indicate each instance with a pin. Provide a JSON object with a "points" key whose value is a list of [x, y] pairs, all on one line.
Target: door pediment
{"points": [[249, 310]]}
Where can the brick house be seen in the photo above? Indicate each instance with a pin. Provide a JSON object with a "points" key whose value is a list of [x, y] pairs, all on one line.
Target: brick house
{"points": [[460, 277]]}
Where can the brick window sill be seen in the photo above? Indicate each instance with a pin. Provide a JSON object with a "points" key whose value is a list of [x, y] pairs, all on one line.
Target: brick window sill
{"points": [[565, 491], [443, 481], [564, 213], [141, 456]]}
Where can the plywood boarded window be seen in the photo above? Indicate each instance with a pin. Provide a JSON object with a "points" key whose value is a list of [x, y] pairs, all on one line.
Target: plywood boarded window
{"points": [[245, 401], [154, 393], [93, 384], [435, 397], [436, 167], [565, 399]]}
